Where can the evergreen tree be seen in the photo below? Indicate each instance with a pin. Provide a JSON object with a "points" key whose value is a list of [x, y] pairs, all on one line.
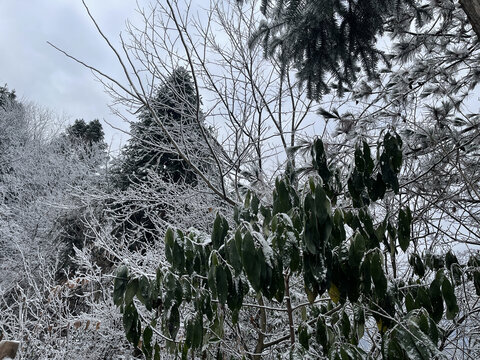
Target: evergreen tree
{"points": [[328, 38], [7, 98], [175, 105], [90, 133]]}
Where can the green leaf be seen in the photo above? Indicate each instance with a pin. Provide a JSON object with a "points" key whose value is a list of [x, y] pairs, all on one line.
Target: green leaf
{"points": [[147, 347], [131, 324], [376, 188], [220, 230], [173, 291], [345, 325], [169, 242], [367, 158], [321, 334], [212, 281], [234, 258], [423, 299], [450, 259], [407, 343], [404, 223], [303, 336], [120, 285], [436, 300], [255, 204], [365, 275], [378, 274], [189, 331], [143, 290], [476, 282], [173, 322], [281, 197], [410, 304], [338, 231], [356, 251], [448, 293], [197, 337], [131, 291], [222, 284], [359, 322], [157, 352], [189, 250], [251, 261], [320, 160], [178, 256], [391, 160], [417, 263], [310, 234]]}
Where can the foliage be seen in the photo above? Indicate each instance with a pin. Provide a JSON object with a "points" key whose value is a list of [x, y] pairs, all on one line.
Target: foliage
{"points": [[327, 38], [340, 255], [374, 256], [175, 105], [89, 133], [41, 178]]}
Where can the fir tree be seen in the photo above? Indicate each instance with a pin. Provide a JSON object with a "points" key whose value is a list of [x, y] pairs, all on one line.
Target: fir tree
{"points": [[326, 39], [88, 133], [175, 105]]}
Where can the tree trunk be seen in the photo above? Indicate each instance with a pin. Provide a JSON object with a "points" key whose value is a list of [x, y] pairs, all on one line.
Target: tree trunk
{"points": [[472, 9]]}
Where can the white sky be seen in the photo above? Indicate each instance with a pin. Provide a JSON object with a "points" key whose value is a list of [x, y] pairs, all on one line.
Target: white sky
{"points": [[41, 74]]}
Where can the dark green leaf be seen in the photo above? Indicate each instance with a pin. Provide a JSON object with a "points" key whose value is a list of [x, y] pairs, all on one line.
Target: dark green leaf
{"points": [[169, 241], [404, 224], [303, 336], [251, 261], [320, 160], [147, 347], [222, 284], [378, 274], [220, 230], [356, 251], [345, 325], [436, 300], [281, 197], [173, 321], [131, 324], [321, 334], [120, 284], [450, 298], [131, 291]]}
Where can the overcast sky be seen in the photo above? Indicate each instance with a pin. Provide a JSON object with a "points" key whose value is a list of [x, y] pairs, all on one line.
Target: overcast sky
{"points": [[41, 74]]}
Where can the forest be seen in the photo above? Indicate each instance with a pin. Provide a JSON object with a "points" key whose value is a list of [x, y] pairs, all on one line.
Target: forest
{"points": [[301, 181]]}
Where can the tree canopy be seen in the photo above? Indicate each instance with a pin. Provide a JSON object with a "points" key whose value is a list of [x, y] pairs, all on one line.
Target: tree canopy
{"points": [[175, 104]]}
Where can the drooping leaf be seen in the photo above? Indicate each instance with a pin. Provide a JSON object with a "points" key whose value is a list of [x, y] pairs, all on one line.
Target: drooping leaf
{"points": [[321, 334], [303, 336], [173, 321], [147, 347], [169, 242], [448, 293], [356, 251], [120, 284], [222, 283], [131, 324], [378, 274], [220, 230], [404, 223], [436, 299], [131, 291], [281, 197], [251, 261]]}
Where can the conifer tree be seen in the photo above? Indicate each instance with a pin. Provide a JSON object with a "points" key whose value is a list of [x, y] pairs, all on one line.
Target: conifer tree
{"points": [[324, 39], [88, 133], [175, 104]]}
